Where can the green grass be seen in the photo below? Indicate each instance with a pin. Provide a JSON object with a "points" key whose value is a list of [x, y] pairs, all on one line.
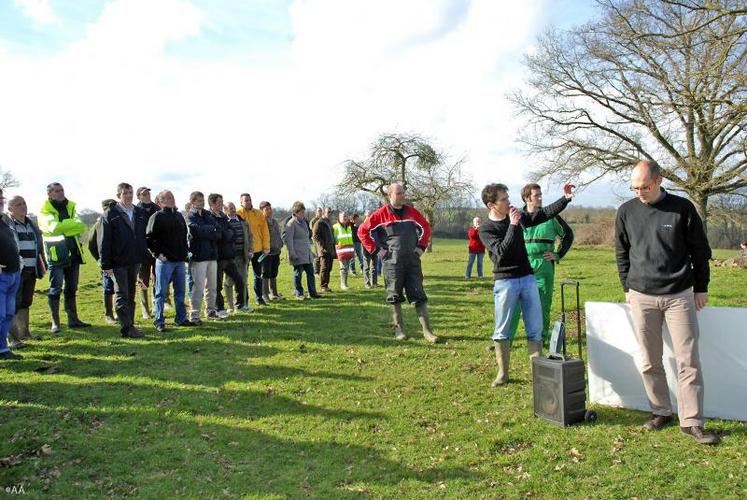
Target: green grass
{"points": [[316, 399]]}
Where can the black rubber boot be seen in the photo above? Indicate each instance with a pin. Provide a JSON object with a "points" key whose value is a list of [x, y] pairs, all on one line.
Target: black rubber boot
{"points": [[71, 309], [54, 310]]}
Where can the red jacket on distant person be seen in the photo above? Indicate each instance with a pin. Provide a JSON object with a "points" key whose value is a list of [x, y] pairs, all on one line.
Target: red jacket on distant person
{"points": [[475, 245]]}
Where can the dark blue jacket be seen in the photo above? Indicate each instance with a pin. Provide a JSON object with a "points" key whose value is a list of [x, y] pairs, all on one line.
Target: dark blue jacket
{"points": [[204, 233], [122, 242], [226, 249]]}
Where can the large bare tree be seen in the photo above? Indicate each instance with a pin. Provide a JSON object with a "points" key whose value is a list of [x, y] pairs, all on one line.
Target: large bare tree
{"points": [[647, 79], [430, 179]]}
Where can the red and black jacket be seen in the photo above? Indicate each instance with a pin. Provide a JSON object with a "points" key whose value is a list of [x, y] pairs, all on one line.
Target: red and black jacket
{"points": [[395, 230]]}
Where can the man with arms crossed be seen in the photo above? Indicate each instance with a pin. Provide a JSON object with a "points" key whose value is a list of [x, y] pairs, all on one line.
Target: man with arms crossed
{"points": [[662, 257]]}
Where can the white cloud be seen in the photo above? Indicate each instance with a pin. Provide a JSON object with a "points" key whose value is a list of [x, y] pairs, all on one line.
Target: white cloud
{"points": [[116, 106], [40, 11]]}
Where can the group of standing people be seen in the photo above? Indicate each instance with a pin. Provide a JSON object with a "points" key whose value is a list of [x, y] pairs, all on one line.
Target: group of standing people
{"points": [[205, 251], [661, 249]]}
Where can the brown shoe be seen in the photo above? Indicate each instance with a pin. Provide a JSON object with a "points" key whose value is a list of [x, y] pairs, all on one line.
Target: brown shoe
{"points": [[700, 435], [657, 422]]}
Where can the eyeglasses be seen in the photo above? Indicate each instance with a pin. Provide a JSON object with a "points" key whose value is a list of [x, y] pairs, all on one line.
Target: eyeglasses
{"points": [[643, 189]]}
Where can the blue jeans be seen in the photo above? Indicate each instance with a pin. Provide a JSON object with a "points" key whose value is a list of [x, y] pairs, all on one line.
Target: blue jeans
{"points": [[9, 283], [358, 250], [165, 273], [471, 260], [509, 292], [69, 273], [107, 283], [297, 271]]}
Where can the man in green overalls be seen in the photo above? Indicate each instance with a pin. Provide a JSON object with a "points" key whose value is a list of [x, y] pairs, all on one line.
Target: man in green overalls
{"points": [[543, 252]]}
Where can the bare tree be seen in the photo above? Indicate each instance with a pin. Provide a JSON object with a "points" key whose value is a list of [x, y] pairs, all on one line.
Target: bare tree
{"points": [[647, 79], [430, 179], [7, 180]]}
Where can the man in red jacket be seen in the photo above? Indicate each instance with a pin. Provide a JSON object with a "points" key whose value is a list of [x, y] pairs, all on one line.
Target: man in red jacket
{"points": [[400, 235]]}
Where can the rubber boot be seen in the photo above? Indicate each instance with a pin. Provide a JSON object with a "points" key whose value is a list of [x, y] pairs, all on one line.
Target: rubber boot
{"points": [[16, 333], [144, 303], [266, 289], [422, 310], [399, 330], [54, 310], [229, 302], [343, 279], [274, 294], [22, 316], [535, 348], [109, 309], [71, 309], [502, 359]]}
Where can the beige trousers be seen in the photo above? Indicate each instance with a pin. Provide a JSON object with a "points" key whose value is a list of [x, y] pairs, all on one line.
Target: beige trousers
{"points": [[678, 310], [204, 281]]}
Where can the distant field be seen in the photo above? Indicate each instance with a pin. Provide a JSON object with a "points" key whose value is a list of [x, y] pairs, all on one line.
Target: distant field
{"points": [[316, 399]]}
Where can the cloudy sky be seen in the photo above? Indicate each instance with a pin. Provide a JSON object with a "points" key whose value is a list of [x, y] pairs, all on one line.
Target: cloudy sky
{"points": [[265, 96]]}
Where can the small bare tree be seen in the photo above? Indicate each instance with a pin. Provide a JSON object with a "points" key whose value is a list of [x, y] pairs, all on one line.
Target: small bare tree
{"points": [[430, 179], [648, 79], [7, 180]]}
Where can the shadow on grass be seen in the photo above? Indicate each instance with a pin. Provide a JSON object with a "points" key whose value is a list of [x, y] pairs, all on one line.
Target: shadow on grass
{"points": [[175, 447]]}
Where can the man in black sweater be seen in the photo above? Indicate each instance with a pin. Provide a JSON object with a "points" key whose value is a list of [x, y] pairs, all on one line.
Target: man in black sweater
{"points": [[166, 235], [662, 257], [503, 236]]}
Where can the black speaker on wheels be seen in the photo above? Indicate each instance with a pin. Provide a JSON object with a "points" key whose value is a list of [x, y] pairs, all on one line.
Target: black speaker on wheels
{"points": [[560, 382], [559, 390]]}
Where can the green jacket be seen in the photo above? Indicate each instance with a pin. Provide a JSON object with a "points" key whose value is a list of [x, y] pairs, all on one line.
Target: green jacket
{"points": [[57, 234], [540, 239]]}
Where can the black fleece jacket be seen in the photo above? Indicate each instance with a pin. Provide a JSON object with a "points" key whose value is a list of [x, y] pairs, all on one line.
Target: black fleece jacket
{"points": [[505, 242], [661, 248], [167, 234]]}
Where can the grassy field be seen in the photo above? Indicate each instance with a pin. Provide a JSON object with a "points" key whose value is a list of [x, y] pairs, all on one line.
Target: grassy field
{"points": [[316, 399]]}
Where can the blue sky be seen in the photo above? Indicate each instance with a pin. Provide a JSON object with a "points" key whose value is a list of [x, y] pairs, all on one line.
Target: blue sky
{"points": [[262, 95]]}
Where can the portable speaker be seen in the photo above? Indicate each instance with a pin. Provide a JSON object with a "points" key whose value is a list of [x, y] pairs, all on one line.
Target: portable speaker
{"points": [[559, 390]]}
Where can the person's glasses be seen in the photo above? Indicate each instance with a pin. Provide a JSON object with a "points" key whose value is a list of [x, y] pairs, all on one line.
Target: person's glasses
{"points": [[642, 189]]}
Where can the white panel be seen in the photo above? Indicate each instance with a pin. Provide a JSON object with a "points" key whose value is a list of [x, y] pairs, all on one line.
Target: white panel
{"points": [[614, 360]]}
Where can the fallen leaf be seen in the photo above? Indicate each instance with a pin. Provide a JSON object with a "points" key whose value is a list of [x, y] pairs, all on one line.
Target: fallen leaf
{"points": [[46, 450], [10, 461]]}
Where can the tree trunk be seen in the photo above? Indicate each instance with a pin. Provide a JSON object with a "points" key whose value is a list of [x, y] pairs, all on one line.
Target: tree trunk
{"points": [[429, 217], [701, 205]]}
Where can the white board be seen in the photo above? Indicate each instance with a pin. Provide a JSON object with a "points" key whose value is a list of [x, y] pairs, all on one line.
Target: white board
{"points": [[615, 360]]}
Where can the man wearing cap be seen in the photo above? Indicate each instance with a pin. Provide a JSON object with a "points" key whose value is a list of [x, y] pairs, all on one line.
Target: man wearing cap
{"points": [[61, 229], [255, 219], [147, 266]]}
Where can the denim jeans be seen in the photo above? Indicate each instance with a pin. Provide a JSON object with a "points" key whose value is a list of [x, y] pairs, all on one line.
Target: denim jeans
{"points": [[509, 292], [107, 284], [471, 260], [297, 271], [69, 273], [169, 272], [358, 251], [9, 283]]}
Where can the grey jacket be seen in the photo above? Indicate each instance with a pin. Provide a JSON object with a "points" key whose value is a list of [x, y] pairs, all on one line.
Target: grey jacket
{"points": [[297, 241], [276, 239]]}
